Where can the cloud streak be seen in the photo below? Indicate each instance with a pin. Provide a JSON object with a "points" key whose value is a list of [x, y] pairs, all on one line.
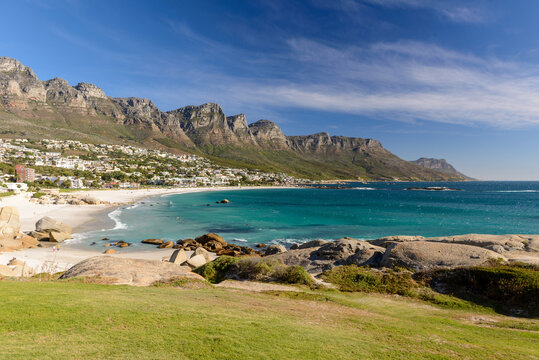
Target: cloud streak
{"points": [[405, 81]]}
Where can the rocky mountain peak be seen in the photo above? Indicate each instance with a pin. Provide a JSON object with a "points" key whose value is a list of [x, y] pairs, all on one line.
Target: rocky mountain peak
{"points": [[9, 65], [237, 122], [268, 133], [90, 90]]}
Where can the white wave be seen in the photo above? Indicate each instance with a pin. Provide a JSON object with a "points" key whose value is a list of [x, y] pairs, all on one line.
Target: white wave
{"points": [[115, 216], [240, 240], [517, 191], [77, 238], [363, 188]]}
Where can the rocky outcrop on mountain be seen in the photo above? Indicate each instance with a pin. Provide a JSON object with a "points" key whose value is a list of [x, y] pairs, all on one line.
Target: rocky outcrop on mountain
{"points": [[205, 124], [440, 165], [90, 91], [55, 109], [323, 142], [19, 86], [269, 135], [238, 124]]}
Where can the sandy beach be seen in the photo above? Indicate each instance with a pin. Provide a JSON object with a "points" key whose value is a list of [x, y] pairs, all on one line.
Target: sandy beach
{"points": [[47, 259]]}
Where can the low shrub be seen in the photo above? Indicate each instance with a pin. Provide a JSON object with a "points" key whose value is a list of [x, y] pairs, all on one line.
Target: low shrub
{"points": [[255, 269], [216, 270], [356, 278], [182, 282], [293, 275], [37, 195], [510, 288]]}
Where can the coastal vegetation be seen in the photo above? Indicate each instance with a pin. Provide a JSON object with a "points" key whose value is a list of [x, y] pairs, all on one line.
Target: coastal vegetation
{"points": [[77, 319], [253, 268]]}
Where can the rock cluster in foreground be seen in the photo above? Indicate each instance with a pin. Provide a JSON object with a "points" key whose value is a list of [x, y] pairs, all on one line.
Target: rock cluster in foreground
{"points": [[413, 252], [124, 271], [11, 238]]}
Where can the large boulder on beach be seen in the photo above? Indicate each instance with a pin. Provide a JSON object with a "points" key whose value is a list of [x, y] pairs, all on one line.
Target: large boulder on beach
{"points": [[211, 237], [425, 255], [204, 253], [91, 200], [10, 224], [49, 224], [340, 252], [52, 230], [55, 236], [178, 257], [196, 261], [127, 271]]}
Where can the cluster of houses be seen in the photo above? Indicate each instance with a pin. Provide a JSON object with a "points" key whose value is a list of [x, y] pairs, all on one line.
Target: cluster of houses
{"points": [[76, 165]]}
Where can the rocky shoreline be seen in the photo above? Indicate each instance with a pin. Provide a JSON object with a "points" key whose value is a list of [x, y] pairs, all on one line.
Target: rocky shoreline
{"points": [[415, 253]]}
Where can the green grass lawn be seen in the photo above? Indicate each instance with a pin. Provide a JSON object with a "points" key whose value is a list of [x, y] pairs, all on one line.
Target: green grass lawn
{"points": [[75, 320]]}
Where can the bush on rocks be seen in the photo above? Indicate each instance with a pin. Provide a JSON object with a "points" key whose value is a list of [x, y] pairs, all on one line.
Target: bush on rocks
{"points": [[254, 269], [511, 289], [363, 278]]}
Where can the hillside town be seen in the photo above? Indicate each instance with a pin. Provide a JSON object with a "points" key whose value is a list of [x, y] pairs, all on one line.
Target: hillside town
{"points": [[68, 164]]}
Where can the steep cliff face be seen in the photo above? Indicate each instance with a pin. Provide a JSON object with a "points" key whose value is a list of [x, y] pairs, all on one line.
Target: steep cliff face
{"points": [[323, 143], [19, 86], [205, 124], [269, 135], [55, 109], [238, 125]]}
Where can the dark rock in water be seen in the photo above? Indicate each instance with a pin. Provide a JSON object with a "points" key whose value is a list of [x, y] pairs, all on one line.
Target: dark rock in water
{"points": [[275, 249], [340, 252], [217, 202], [294, 247], [93, 243], [153, 241], [434, 188], [105, 239], [225, 201], [261, 245], [166, 245], [209, 237]]}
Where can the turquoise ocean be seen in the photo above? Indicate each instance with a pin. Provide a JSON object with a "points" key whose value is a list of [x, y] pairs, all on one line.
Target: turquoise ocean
{"points": [[362, 211]]}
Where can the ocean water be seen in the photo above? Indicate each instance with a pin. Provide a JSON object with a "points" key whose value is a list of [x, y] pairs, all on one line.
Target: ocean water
{"points": [[362, 211]]}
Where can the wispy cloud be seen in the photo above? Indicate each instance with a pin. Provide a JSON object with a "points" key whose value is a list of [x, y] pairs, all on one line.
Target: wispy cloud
{"points": [[404, 81], [452, 10]]}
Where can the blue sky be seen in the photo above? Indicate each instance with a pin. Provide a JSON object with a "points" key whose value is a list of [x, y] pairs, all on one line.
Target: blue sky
{"points": [[450, 79]]}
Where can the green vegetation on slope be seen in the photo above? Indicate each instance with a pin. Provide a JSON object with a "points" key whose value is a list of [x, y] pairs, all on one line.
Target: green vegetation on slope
{"points": [[71, 319]]}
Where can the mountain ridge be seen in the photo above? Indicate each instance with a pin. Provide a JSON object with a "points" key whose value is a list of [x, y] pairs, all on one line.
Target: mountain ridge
{"points": [[84, 111], [440, 165]]}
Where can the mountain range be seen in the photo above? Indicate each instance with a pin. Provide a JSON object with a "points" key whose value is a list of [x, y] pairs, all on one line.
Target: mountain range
{"points": [[37, 109]]}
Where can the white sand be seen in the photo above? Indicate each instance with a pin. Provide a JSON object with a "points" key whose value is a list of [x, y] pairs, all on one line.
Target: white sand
{"points": [[47, 260]]}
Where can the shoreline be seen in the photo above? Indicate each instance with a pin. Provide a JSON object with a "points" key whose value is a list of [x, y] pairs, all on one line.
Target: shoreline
{"points": [[86, 218]]}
